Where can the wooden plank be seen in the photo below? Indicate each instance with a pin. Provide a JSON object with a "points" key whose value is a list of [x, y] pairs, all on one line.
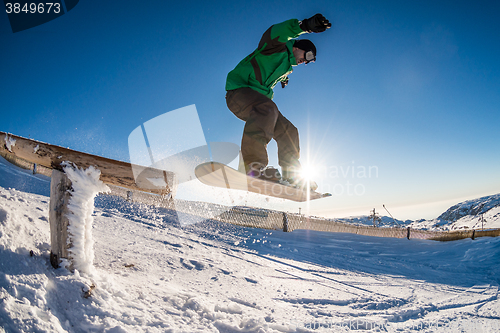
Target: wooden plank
{"points": [[60, 194], [112, 171]]}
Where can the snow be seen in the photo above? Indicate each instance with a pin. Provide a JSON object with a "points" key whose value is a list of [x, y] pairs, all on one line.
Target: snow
{"points": [[9, 142], [86, 185], [151, 274]]}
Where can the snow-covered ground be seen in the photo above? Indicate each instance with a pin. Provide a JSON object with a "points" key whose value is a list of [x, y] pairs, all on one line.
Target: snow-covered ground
{"points": [[152, 275]]}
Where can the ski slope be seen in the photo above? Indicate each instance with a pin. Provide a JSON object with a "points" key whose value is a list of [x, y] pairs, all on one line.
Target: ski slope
{"points": [[152, 275]]}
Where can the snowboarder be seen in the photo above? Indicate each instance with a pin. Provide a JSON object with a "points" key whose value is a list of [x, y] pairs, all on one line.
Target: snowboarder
{"points": [[249, 96]]}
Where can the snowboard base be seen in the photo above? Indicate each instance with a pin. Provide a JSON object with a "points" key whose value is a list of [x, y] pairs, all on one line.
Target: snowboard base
{"points": [[220, 175]]}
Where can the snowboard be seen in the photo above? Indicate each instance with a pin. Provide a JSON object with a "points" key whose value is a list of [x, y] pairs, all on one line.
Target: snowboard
{"points": [[220, 175]]}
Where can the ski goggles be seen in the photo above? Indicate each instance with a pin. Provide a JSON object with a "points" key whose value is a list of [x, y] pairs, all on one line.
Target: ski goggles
{"points": [[309, 56]]}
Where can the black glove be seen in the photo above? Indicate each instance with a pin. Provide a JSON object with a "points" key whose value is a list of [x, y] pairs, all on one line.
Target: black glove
{"points": [[317, 23], [284, 83]]}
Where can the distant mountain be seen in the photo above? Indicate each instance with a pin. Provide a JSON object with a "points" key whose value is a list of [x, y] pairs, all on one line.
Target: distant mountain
{"points": [[482, 213], [471, 208], [384, 221]]}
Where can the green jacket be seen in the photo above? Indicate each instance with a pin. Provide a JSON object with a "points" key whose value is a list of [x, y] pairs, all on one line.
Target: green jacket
{"points": [[270, 63]]}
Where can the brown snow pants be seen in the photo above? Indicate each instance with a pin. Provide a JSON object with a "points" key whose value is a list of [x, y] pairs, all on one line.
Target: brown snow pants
{"points": [[263, 122]]}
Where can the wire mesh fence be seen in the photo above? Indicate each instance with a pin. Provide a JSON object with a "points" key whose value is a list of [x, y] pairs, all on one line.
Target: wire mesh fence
{"points": [[288, 222], [268, 219]]}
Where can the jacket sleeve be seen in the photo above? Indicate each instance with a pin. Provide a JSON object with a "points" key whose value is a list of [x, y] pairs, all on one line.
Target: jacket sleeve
{"points": [[275, 38]]}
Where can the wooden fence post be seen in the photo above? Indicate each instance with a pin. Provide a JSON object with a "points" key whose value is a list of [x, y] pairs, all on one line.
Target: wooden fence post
{"points": [[60, 186]]}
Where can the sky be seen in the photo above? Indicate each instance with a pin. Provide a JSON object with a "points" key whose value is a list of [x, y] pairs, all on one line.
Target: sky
{"points": [[401, 108]]}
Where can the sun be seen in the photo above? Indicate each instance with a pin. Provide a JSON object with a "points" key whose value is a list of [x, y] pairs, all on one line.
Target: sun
{"points": [[308, 172]]}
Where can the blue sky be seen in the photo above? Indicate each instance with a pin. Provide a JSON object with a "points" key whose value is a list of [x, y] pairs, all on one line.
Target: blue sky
{"points": [[406, 89]]}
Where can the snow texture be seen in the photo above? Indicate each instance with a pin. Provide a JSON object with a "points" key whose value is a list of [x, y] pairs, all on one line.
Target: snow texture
{"points": [[85, 187], [154, 275], [9, 142]]}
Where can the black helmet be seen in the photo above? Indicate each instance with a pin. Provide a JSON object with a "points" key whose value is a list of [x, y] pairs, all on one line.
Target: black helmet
{"points": [[308, 47]]}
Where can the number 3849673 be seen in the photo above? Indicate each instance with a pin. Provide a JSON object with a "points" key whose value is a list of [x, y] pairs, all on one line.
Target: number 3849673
{"points": [[32, 8]]}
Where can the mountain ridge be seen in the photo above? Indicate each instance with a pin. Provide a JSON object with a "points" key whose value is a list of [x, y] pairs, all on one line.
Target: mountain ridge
{"points": [[471, 207]]}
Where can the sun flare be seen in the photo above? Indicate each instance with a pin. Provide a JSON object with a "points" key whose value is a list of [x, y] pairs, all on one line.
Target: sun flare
{"points": [[308, 172]]}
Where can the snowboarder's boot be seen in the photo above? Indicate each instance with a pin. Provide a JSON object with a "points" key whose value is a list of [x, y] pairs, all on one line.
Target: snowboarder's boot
{"points": [[270, 174], [302, 183], [293, 177]]}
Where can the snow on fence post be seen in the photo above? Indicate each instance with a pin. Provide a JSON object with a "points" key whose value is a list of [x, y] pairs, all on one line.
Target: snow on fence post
{"points": [[72, 195]]}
